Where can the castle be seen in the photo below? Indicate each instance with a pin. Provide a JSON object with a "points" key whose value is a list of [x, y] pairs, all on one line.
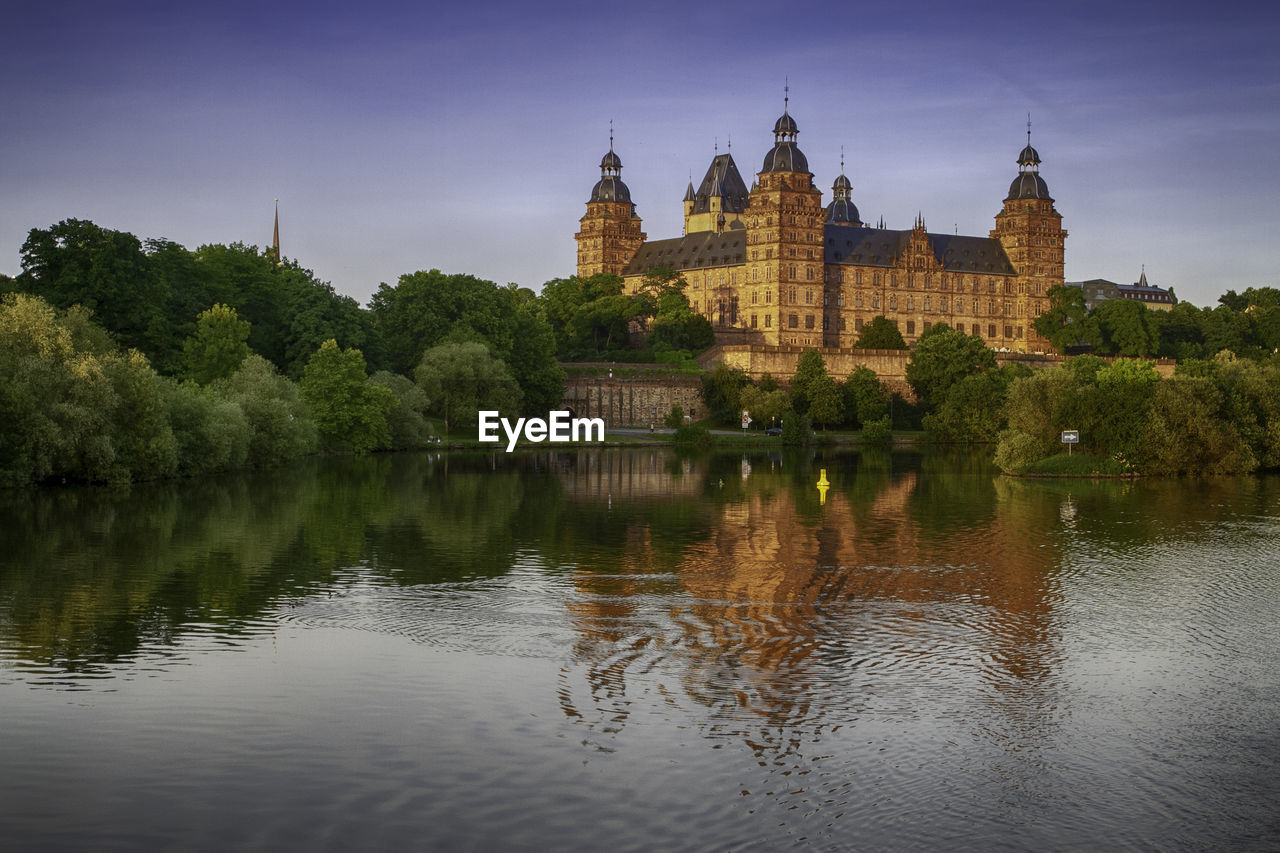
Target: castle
{"points": [[772, 266]]}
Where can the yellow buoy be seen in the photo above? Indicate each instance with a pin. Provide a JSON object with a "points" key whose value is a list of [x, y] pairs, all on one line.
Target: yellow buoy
{"points": [[822, 478], [823, 485]]}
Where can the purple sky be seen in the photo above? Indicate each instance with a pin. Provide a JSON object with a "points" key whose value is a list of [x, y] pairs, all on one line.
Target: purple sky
{"points": [[468, 139]]}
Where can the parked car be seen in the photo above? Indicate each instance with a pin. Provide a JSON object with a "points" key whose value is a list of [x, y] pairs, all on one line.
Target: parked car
{"points": [[773, 431]]}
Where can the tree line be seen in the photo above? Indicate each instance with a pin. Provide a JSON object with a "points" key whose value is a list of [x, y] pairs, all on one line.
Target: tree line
{"points": [[126, 359]]}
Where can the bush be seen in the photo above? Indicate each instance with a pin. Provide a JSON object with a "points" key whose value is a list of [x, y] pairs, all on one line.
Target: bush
{"points": [[879, 431], [796, 429], [693, 434], [675, 418]]}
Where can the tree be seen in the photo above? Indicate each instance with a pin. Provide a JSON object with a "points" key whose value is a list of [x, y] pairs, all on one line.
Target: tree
{"points": [[78, 262], [941, 358], [865, 397], [281, 426], [972, 409], [1060, 324], [825, 401], [427, 309], [55, 399], [1123, 328], [218, 347], [721, 391], [809, 368], [675, 325], [766, 407], [140, 434], [460, 379], [880, 333], [348, 410], [406, 420]]}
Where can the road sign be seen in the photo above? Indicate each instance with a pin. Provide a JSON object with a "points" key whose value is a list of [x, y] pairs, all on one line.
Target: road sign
{"points": [[746, 418], [1071, 436]]}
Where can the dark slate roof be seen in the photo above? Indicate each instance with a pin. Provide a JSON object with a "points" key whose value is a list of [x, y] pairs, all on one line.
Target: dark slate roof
{"points": [[693, 251], [785, 157], [1029, 156], [881, 247], [786, 124], [723, 180], [611, 188], [1028, 185]]}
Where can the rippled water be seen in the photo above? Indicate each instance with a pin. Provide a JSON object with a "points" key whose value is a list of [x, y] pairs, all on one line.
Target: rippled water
{"points": [[640, 651]]}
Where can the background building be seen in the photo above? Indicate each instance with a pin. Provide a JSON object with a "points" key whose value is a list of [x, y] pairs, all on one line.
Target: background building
{"points": [[1098, 290]]}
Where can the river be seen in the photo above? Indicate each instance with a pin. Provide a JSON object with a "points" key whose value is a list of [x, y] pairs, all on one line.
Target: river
{"points": [[637, 650]]}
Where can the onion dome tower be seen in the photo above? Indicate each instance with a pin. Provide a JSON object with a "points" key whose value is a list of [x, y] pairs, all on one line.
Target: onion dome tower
{"points": [[785, 247], [609, 234], [1029, 184], [842, 210], [1030, 229]]}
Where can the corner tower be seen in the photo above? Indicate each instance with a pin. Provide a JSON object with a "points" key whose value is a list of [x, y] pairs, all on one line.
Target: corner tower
{"points": [[609, 234], [1030, 230], [784, 267]]}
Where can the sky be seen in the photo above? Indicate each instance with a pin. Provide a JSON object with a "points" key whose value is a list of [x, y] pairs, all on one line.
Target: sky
{"points": [[467, 138]]}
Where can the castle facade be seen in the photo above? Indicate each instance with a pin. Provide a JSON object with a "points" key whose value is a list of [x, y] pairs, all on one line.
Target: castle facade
{"points": [[771, 265]]}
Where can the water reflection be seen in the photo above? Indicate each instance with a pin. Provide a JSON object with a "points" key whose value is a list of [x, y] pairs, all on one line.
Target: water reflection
{"points": [[928, 633]]}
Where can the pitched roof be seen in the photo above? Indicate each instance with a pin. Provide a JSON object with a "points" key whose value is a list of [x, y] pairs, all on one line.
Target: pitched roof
{"points": [[881, 247], [692, 251], [723, 180]]}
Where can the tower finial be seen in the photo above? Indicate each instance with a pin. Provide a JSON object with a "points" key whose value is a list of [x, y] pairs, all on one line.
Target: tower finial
{"points": [[842, 159], [610, 134], [1028, 127], [729, 144], [786, 94]]}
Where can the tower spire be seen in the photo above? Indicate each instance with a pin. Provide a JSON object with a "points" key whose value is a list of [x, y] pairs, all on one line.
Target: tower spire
{"points": [[275, 235]]}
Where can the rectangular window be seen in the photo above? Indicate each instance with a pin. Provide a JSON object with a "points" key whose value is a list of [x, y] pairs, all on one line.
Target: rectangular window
{"points": [[808, 297], [755, 297], [808, 321], [991, 330], [857, 324], [793, 296], [911, 327], [826, 322], [793, 320], [842, 324], [1008, 331], [768, 297], [753, 321], [768, 320]]}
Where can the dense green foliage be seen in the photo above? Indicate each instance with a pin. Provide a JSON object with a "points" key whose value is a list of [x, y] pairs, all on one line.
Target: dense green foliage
{"points": [[880, 333], [1248, 324], [1212, 417], [350, 412], [218, 347], [428, 309], [460, 379], [149, 294]]}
